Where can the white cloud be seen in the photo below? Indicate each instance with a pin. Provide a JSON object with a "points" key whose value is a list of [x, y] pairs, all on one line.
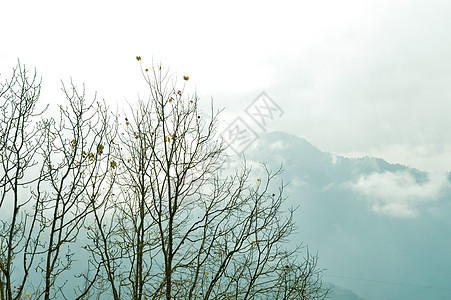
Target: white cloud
{"points": [[334, 159], [398, 194], [350, 75], [278, 145]]}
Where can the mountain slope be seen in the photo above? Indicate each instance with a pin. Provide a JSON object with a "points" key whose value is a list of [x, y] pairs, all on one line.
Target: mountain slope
{"points": [[339, 293], [384, 225]]}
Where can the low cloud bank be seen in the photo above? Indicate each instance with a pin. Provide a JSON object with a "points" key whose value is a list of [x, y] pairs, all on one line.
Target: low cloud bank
{"points": [[399, 194]]}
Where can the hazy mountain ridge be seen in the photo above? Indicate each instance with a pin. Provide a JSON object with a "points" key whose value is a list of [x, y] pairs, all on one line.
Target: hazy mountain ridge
{"points": [[323, 166], [367, 218], [339, 293]]}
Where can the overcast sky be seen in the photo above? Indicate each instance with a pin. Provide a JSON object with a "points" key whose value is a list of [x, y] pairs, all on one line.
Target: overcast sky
{"points": [[353, 77]]}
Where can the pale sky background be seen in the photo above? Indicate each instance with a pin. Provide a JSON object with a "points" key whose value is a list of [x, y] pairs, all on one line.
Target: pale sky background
{"points": [[354, 78]]}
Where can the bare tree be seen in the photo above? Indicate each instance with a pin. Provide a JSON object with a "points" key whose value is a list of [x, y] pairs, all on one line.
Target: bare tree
{"points": [[51, 171], [75, 154], [176, 229], [20, 224], [138, 201]]}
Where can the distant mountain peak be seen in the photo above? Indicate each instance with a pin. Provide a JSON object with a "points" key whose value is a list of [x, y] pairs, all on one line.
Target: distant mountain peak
{"points": [[281, 142]]}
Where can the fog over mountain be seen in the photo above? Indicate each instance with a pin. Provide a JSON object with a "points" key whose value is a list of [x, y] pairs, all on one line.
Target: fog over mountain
{"points": [[380, 229]]}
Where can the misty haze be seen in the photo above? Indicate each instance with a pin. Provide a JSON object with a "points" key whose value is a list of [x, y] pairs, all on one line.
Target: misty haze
{"points": [[236, 150]]}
